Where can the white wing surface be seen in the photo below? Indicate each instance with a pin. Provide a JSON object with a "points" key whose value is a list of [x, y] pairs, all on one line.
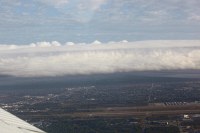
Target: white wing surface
{"points": [[12, 124]]}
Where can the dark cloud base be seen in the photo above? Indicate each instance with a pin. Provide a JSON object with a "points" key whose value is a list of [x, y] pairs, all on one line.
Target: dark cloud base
{"points": [[39, 83]]}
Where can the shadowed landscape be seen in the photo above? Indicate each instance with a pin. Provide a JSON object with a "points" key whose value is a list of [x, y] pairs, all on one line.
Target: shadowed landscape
{"points": [[149, 102]]}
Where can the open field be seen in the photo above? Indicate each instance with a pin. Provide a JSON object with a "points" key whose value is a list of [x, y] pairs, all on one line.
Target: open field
{"points": [[122, 111]]}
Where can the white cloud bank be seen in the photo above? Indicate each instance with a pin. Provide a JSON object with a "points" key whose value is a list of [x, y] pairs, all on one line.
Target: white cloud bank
{"points": [[54, 59]]}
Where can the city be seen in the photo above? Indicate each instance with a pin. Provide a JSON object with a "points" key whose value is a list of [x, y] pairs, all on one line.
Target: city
{"points": [[136, 106]]}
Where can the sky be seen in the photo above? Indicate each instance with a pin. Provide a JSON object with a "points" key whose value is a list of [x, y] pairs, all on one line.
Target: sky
{"points": [[31, 21]]}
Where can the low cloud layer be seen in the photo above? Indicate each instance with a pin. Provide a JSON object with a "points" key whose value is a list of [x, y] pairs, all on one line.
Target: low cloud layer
{"points": [[55, 59]]}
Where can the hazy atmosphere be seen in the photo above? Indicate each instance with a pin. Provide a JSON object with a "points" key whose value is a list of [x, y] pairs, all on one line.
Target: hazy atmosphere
{"points": [[25, 22], [100, 66]]}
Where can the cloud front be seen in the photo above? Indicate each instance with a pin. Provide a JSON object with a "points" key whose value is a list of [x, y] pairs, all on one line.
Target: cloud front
{"points": [[55, 59]]}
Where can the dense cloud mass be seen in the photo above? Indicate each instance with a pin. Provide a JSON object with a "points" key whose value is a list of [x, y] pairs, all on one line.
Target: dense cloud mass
{"points": [[55, 59]]}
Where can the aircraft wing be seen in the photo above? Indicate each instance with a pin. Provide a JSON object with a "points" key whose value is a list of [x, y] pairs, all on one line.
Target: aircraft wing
{"points": [[12, 124]]}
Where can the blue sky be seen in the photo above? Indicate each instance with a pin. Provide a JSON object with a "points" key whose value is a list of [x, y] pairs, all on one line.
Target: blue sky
{"points": [[27, 21]]}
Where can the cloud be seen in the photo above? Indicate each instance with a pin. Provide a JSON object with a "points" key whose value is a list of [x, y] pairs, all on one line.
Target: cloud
{"points": [[80, 4], [194, 17], [134, 12], [91, 4], [54, 59], [55, 3]]}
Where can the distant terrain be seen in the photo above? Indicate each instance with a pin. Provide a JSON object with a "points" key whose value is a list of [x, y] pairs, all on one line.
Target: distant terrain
{"points": [[136, 102]]}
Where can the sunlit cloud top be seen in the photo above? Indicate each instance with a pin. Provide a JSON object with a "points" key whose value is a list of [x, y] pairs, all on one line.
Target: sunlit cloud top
{"points": [[55, 59]]}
